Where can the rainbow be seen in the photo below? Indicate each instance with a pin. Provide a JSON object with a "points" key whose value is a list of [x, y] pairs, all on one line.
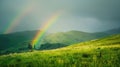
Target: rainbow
{"points": [[45, 27], [17, 19]]}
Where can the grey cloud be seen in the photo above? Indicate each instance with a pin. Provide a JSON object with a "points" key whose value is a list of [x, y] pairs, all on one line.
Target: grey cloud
{"points": [[106, 12]]}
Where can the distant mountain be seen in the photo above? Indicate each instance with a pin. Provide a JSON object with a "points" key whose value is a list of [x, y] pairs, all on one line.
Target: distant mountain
{"points": [[113, 31], [104, 52], [64, 39], [18, 42], [68, 38], [15, 40]]}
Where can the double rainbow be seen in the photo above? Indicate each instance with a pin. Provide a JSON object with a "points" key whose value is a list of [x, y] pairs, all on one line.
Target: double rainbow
{"points": [[15, 22]]}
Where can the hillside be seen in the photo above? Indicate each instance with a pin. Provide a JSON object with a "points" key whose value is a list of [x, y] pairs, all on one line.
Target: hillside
{"points": [[104, 52], [68, 38], [113, 31], [18, 42], [15, 41]]}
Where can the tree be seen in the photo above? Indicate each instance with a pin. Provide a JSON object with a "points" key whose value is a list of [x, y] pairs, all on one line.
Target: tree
{"points": [[31, 47]]}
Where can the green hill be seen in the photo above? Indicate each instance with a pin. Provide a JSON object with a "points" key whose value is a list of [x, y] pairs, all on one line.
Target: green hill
{"points": [[15, 42], [68, 38], [104, 52], [18, 42], [13, 39], [113, 31]]}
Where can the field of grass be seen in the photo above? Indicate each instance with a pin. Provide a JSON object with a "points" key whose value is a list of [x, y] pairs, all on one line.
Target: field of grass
{"points": [[103, 52]]}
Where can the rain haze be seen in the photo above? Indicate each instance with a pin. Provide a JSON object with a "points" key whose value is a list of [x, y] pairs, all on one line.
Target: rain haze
{"points": [[81, 15]]}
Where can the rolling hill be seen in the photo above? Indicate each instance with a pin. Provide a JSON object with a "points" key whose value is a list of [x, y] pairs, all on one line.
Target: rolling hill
{"points": [[13, 39], [18, 42], [113, 31], [104, 52], [68, 38]]}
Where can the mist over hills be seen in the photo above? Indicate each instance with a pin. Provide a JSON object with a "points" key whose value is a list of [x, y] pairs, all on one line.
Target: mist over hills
{"points": [[113, 31], [18, 42]]}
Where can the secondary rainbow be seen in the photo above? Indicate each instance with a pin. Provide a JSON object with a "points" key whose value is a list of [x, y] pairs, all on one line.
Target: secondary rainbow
{"points": [[11, 26], [45, 27]]}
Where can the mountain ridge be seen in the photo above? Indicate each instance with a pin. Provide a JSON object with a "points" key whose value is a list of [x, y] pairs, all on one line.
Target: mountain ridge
{"points": [[94, 53], [18, 41]]}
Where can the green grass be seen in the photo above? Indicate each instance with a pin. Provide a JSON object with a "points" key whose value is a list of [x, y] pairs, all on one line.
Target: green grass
{"points": [[103, 52], [18, 42]]}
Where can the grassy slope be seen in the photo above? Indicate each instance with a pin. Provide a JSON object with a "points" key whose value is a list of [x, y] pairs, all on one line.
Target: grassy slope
{"points": [[18, 42], [71, 37], [68, 38], [14, 39], [96, 53], [15, 42]]}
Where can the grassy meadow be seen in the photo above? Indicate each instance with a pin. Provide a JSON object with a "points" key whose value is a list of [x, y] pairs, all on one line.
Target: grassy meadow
{"points": [[104, 52]]}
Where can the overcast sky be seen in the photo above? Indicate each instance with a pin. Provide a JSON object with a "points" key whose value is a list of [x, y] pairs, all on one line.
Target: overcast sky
{"points": [[82, 15]]}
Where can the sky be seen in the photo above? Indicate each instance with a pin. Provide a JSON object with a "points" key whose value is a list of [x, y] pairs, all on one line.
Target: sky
{"points": [[81, 15]]}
